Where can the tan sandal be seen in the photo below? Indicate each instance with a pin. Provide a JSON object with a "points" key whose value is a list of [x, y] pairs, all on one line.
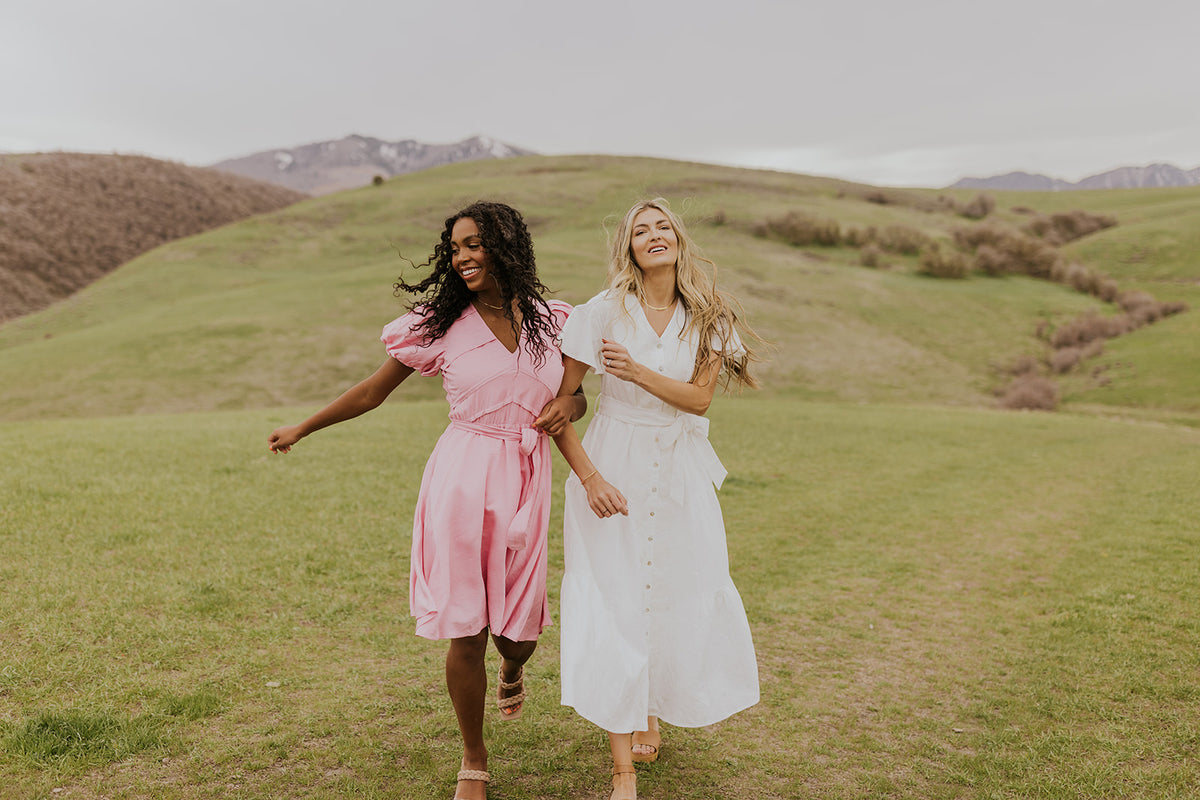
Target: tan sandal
{"points": [[626, 769], [652, 739], [515, 702], [471, 775]]}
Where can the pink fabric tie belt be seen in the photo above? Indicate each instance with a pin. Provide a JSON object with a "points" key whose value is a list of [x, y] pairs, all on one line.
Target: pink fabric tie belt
{"points": [[687, 432], [534, 497]]}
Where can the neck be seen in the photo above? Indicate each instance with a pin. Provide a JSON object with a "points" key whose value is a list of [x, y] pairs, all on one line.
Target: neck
{"points": [[658, 287], [491, 299]]}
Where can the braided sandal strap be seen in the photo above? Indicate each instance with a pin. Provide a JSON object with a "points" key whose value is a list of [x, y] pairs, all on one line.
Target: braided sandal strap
{"points": [[520, 678], [509, 702], [473, 775]]}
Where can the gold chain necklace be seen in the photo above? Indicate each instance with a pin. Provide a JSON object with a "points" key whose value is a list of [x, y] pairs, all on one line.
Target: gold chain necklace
{"points": [[659, 308], [489, 305]]}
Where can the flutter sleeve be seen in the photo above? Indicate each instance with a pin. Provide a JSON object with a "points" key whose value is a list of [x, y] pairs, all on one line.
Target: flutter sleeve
{"points": [[405, 345], [584, 330], [733, 348]]}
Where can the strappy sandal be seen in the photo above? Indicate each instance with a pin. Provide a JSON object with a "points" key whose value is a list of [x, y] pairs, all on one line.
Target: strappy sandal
{"points": [[516, 701], [626, 769], [652, 739], [471, 775]]}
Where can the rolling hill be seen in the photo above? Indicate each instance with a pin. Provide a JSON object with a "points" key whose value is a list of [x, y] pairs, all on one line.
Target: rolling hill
{"points": [[285, 308], [68, 218]]}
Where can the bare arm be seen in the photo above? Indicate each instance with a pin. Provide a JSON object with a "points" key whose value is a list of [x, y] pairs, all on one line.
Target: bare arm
{"points": [[692, 397], [603, 498], [358, 399]]}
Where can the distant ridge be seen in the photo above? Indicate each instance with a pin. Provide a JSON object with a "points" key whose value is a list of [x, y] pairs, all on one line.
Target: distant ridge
{"points": [[332, 166], [1148, 177]]}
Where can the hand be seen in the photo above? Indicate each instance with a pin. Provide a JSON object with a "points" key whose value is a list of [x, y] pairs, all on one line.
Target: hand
{"points": [[617, 361], [555, 416], [282, 439], [604, 498]]}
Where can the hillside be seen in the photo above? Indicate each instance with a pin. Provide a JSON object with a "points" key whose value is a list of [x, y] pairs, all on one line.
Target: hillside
{"points": [[333, 166], [285, 309], [66, 219]]}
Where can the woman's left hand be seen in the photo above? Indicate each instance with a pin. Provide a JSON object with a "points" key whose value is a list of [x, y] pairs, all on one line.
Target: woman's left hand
{"points": [[556, 415], [617, 361]]}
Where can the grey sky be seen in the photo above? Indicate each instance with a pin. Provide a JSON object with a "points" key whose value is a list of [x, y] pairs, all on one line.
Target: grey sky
{"points": [[920, 92]]}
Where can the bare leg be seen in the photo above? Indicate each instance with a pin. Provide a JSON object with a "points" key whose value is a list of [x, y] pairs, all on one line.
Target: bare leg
{"points": [[513, 656], [624, 779], [466, 679]]}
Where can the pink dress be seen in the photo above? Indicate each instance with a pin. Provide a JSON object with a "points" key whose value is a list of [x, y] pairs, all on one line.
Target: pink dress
{"points": [[480, 528]]}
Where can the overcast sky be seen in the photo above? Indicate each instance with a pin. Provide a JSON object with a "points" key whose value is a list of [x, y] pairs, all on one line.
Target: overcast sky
{"points": [[899, 92]]}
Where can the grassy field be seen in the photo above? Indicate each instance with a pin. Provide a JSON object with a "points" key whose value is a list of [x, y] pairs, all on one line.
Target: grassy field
{"points": [[948, 600], [945, 603]]}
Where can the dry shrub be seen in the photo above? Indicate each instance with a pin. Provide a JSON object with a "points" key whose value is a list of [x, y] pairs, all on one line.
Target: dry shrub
{"points": [[1031, 391], [939, 263], [1008, 251], [69, 218], [979, 207], [871, 255], [1065, 359], [902, 240], [377, 180], [1023, 365], [800, 230], [858, 237], [990, 261], [1068, 226], [1089, 327], [877, 197], [1092, 349]]}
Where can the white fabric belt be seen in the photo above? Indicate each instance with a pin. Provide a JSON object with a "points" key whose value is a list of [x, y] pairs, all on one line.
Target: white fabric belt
{"points": [[688, 433]]}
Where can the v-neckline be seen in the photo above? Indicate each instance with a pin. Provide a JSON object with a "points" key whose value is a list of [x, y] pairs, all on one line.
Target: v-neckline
{"points": [[492, 333], [650, 325]]}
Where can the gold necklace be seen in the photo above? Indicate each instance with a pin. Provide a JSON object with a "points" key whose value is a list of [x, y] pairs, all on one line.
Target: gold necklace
{"points": [[659, 308], [489, 305]]}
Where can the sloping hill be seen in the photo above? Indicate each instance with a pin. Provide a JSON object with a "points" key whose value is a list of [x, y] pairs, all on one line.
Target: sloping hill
{"points": [[286, 308], [68, 218]]}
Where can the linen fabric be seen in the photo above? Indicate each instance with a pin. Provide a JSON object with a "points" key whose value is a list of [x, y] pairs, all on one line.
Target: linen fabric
{"points": [[652, 624], [479, 546]]}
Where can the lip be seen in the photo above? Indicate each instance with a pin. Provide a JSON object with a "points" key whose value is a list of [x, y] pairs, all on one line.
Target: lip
{"points": [[469, 271], [657, 249]]}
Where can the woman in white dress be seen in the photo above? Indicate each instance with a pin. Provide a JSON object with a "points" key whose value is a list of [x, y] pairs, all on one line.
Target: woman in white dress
{"points": [[653, 627]]}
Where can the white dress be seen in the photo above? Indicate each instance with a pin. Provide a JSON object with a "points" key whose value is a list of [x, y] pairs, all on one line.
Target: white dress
{"points": [[652, 624]]}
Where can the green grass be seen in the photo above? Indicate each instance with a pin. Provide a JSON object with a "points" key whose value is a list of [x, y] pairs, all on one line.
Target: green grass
{"points": [[279, 309], [945, 603]]}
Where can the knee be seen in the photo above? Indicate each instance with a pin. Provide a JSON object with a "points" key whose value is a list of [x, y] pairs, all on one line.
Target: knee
{"points": [[469, 648]]}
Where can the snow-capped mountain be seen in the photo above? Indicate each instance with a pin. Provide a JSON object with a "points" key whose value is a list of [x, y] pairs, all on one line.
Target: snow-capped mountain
{"points": [[325, 167]]}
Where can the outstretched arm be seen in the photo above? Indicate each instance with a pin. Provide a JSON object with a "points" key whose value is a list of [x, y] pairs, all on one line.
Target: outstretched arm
{"points": [[694, 397], [358, 399]]}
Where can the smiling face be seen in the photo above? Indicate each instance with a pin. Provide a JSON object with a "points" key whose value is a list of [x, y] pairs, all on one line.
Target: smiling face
{"points": [[653, 243], [468, 257]]}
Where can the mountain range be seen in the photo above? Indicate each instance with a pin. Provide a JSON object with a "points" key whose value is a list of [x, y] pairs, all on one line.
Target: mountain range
{"points": [[1152, 176], [327, 167]]}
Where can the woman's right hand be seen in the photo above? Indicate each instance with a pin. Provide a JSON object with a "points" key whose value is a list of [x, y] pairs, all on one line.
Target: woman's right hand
{"points": [[604, 498], [282, 439]]}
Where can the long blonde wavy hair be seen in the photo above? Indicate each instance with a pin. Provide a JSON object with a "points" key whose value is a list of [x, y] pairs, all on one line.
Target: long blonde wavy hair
{"points": [[711, 313]]}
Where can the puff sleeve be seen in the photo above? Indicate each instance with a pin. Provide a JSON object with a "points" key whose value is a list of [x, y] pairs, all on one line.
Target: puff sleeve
{"points": [[584, 331], [405, 345]]}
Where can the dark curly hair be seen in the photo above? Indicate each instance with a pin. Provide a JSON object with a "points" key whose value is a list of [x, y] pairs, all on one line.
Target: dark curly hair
{"points": [[509, 247]]}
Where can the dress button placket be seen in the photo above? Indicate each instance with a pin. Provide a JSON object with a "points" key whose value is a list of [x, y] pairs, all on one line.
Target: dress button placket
{"points": [[648, 545]]}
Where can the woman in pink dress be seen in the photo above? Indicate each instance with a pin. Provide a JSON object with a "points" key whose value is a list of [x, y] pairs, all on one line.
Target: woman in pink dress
{"points": [[480, 527]]}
